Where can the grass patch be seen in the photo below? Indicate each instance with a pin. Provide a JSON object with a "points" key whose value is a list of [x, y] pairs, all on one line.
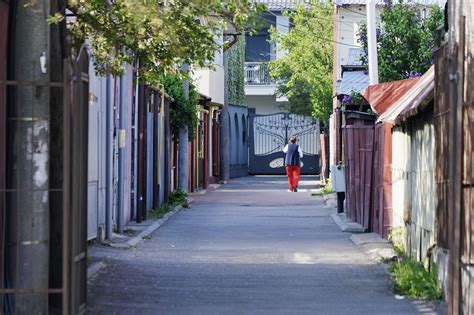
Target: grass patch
{"points": [[177, 197], [327, 189], [411, 279], [158, 213]]}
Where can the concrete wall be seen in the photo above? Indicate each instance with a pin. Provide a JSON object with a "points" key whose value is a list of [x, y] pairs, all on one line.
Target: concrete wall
{"points": [[263, 104], [238, 141]]}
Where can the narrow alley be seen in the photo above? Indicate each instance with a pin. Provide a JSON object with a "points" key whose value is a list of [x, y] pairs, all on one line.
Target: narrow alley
{"points": [[248, 247]]}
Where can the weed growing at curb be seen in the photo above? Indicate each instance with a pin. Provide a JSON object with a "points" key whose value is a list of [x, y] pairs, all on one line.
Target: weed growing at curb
{"points": [[395, 236], [411, 279], [158, 213], [178, 197], [327, 189]]}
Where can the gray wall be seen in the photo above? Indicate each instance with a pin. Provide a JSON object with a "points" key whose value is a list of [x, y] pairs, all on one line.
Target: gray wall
{"points": [[238, 141], [96, 159], [109, 170]]}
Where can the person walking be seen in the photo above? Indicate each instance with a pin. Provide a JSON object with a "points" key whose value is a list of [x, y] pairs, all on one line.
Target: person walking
{"points": [[292, 161]]}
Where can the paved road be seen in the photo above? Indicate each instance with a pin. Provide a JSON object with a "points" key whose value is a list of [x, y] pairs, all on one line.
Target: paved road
{"points": [[249, 247]]}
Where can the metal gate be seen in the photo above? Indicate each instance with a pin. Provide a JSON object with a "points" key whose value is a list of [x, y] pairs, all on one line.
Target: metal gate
{"points": [[268, 134]]}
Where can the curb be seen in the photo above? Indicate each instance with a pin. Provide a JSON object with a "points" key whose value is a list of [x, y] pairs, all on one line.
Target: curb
{"points": [[329, 200], [134, 241], [374, 246], [93, 269], [347, 226]]}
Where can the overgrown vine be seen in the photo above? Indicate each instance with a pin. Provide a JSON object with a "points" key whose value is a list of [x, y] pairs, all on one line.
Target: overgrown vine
{"points": [[184, 110], [236, 77]]}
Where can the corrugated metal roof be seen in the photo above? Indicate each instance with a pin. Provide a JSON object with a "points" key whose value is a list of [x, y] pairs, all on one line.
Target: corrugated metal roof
{"points": [[278, 5], [413, 101], [381, 96], [352, 81], [382, 2]]}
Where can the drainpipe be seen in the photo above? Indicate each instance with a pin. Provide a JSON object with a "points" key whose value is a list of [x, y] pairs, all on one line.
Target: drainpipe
{"points": [[161, 150], [135, 146], [121, 158], [108, 162]]}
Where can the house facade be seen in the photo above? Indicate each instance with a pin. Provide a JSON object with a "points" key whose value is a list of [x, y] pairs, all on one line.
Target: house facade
{"points": [[210, 85], [260, 89]]}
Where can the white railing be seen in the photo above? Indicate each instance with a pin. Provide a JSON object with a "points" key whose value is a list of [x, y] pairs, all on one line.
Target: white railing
{"points": [[257, 73]]}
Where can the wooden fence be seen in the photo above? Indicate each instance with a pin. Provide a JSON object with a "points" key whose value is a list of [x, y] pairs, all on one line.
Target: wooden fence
{"points": [[454, 131]]}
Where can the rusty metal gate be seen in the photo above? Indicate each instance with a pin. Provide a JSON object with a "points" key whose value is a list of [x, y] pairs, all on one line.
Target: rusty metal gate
{"points": [[268, 134]]}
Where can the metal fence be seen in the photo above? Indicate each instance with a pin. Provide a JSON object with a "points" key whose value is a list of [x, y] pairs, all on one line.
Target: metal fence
{"points": [[257, 73]]}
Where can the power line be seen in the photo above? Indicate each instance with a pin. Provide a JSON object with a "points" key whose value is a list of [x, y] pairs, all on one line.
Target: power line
{"points": [[322, 38], [286, 26]]}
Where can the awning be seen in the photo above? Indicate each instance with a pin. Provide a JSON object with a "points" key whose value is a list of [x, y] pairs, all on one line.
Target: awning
{"points": [[412, 102], [383, 95], [352, 81]]}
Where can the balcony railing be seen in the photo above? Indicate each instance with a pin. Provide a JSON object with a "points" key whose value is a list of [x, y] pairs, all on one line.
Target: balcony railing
{"points": [[257, 73]]}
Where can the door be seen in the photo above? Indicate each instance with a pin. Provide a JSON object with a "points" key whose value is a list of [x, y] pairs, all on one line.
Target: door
{"points": [[268, 134]]}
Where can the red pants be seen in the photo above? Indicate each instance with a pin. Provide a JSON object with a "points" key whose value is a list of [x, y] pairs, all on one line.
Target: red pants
{"points": [[293, 173]]}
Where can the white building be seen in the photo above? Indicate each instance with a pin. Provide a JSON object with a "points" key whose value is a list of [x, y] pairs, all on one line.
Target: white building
{"points": [[260, 90]]}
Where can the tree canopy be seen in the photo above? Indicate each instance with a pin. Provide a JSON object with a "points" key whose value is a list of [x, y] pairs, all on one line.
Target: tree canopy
{"points": [[161, 34], [405, 40], [304, 76]]}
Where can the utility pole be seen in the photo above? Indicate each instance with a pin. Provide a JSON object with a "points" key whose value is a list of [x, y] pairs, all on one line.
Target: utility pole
{"points": [[183, 145], [29, 153], [224, 138], [372, 43]]}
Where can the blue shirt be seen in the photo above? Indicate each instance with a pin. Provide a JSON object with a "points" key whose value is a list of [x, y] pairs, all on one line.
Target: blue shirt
{"points": [[293, 154]]}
